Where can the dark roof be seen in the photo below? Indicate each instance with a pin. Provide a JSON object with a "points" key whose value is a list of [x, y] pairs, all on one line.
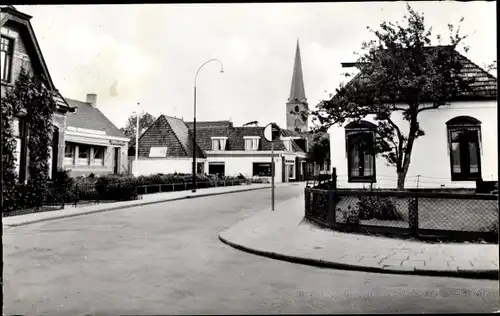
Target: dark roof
{"points": [[167, 132], [89, 117], [174, 133], [209, 124], [480, 84]]}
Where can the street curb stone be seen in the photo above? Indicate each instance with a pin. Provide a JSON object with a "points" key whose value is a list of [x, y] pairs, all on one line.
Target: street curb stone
{"points": [[487, 274], [114, 208]]}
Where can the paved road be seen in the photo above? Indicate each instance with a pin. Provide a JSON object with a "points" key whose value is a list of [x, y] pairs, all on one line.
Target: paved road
{"points": [[167, 259]]}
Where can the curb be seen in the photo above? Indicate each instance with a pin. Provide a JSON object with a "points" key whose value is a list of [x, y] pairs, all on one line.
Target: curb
{"points": [[114, 208], [468, 274]]}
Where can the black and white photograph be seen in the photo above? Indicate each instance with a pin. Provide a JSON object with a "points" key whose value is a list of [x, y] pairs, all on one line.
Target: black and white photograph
{"points": [[249, 158]]}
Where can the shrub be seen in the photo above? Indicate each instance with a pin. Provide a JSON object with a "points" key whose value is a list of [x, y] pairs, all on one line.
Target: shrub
{"points": [[61, 188], [378, 207], [116, 188], [350, 215]]}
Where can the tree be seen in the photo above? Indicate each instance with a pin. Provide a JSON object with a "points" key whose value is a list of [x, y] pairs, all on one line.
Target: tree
{"points": [[31, 94], [319, 150], [399, 72], [491, 67], [145, 121]]}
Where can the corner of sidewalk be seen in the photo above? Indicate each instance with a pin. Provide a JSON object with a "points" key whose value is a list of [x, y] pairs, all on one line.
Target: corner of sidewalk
{"points": [[69, 211], [284, 235]]}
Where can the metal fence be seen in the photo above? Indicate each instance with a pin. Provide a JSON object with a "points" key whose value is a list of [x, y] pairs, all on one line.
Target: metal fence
{"points": [[445, 216], [183, 186]]}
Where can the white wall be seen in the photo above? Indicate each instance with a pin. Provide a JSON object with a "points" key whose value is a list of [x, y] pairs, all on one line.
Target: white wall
{"points": [[244, 165], [146, 167], [430, 156]]}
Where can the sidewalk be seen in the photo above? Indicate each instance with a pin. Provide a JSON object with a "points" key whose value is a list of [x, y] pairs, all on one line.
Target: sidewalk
{"points": [[283, 235], [70, 211]]}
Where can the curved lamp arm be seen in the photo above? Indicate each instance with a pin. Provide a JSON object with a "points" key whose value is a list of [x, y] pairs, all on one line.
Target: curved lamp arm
{"points": [[215, 59]]}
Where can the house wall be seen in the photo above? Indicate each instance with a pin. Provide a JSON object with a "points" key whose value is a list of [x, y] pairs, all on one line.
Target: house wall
{"points": [[20, 59], [20, 56], [109, 157], [149, 166], [235, 165], [430, 158]]}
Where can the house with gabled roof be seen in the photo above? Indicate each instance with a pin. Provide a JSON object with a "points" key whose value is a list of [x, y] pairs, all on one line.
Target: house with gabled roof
{"points": [[225, 149], [221, 148], [459, 148], [20, 49], [93, 144]]}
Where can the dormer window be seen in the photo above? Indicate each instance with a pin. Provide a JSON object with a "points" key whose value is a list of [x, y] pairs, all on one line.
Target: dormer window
{"points": [[219, 143], [288, 144], [251, 142]]}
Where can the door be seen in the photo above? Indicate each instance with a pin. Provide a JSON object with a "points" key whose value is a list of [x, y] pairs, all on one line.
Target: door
{"points": [[116, 162]]}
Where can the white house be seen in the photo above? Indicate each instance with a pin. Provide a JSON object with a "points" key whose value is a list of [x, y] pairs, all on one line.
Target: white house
{"points": [[221, 148], [93, 144], [167, 147], [459, 148]]}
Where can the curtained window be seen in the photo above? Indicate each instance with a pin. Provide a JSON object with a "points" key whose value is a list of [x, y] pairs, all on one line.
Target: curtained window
{"points": [[360, 141], [464, 135]]}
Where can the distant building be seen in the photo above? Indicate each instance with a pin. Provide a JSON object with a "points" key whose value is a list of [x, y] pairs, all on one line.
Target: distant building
{"points": [[93, 144], [224, 149]]}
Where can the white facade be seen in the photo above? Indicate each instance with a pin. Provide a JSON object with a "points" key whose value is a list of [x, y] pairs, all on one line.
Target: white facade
{"points": [[430, 160], [103, 154], [243, 163], [150, 166]]}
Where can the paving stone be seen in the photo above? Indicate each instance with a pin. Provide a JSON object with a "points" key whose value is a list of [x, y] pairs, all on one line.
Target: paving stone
{"points": [[483, 265], [393, 262], [459, 264], [413, 263], [350, 259], [370, 262], [399, 256]]}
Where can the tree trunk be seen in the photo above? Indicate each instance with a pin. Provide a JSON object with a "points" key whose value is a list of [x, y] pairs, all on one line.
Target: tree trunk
{"points": [[401, 180]]}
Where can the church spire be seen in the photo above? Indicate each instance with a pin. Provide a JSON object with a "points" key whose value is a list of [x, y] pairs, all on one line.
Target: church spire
{"points": [[297, 93]]}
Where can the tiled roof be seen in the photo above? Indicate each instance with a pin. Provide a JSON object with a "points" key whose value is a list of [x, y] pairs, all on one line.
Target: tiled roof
{"points": [[167, 132], [174, 134], [480, 84], [210, 124], [89, 117]]}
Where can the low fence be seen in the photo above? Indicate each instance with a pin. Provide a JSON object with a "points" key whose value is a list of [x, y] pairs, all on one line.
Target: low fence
{"points": [[183, 186], [423, 215]]}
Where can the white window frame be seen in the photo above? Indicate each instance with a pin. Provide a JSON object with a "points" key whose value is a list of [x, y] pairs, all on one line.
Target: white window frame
{"points": [[97, 161], [251, 143], [70, 160], [221, 141], [83, 161], [16, 132], [7, 57]]}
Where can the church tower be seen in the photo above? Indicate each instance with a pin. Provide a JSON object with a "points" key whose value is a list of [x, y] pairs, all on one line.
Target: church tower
{"points": [[297, 100]]}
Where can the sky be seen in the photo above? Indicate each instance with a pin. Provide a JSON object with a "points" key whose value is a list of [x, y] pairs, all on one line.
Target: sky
{"points": [[150, 53]]}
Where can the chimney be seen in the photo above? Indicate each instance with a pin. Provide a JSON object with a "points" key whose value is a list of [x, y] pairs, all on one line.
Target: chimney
{"points": [[92, 99]]}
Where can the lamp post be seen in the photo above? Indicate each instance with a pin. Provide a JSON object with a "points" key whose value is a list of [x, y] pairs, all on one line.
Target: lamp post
{"points": [[194, 119]]}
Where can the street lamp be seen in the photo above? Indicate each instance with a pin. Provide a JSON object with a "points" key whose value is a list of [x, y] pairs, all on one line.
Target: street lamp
{"points": [[194, 120]]}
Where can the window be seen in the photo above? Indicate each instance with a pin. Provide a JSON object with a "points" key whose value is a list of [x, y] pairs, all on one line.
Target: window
{"points": [[360, 141], [290, 168], [83, 155], [16, 132], [464, 134], [217, 168], [219, 143], [158, 152], [6, 47], [98, 156], [251, 143], [262, 169], [288, 144], [69, 154]]}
